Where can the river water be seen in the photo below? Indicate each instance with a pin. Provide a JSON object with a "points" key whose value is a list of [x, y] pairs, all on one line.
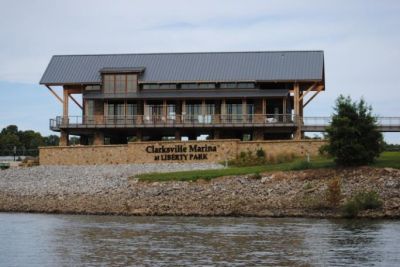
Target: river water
{"points": [[75, 240]]}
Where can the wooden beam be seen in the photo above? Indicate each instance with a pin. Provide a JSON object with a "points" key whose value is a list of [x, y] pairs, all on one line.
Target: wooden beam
{"points": [[55, 94], [311, 98], [76, 102], [65, 103], [296, 96], [307, 91]]}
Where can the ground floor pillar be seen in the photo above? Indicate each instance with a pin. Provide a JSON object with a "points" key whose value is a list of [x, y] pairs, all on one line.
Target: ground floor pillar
{"points": [[216, 134], [178, 135], [258, 134], [64, 138], [139, 135], [98, 139]]}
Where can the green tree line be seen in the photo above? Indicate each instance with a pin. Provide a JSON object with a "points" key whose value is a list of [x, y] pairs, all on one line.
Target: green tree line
{"points": [[25, 142]]}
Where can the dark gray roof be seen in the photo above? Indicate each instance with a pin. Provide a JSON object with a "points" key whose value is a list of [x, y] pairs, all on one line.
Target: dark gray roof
{"points": [[176, 94], [186, 67]]}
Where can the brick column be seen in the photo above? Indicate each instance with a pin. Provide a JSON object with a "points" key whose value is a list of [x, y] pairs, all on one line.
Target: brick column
{"points": [[98, 139], [64, 138]]}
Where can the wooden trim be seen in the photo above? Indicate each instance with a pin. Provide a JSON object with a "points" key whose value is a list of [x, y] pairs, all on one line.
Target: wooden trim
{"points": [[76, 102], [55, 94], [319, 89], [307, 91]]}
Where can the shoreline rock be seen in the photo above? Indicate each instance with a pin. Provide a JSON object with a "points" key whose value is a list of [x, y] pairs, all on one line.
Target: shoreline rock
{"points": [[108, 190]]}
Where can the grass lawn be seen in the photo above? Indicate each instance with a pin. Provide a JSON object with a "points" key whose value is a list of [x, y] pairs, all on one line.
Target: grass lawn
{"points": [[387, 159]]}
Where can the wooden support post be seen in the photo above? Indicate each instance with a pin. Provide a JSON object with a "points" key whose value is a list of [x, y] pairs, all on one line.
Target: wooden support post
{"points": [[223, 110], [76, 102], [296, 91], [55, 94], [184, 115], [244, 109], [284, 107], [65, 103], [165, 110]]}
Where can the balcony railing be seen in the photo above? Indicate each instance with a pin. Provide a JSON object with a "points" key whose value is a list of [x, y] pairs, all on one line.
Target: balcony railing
{"points": [[141, 121]]}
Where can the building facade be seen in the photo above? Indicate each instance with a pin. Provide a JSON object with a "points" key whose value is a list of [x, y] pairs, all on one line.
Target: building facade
{"points": [[227, 95]]}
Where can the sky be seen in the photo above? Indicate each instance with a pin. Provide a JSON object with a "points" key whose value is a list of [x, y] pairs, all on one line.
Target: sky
{"points": [[360, 39]]}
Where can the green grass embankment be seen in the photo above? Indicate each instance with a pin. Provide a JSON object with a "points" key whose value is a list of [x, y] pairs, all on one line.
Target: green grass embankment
{"points": [[387, 159]]}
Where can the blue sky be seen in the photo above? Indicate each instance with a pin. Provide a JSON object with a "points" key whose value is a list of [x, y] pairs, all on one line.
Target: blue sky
{"points": [[361, 41]]}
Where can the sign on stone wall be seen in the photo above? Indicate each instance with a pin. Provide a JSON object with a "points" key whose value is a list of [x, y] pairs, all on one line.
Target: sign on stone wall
{"points": [[180, 152]]}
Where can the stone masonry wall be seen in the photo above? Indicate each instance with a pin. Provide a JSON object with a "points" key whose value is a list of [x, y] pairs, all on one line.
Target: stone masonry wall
{"points": [[170, 151]]}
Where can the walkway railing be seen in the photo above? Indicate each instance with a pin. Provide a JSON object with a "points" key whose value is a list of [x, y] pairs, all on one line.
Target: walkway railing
{"points": [[170, 121], [307, 124]]}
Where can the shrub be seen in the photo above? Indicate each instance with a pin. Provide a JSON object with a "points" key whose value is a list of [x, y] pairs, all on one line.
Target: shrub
{"points": [[260, 153], [368, 200], [353, 135], [361, 201], [350, 209], [245, 159]]}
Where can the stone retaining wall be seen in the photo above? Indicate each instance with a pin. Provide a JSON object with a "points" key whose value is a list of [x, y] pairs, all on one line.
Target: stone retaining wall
{"points": [[170, 151]]}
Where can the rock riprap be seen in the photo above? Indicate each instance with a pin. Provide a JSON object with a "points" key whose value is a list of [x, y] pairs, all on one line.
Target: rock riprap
{"points": [[112, 190]]}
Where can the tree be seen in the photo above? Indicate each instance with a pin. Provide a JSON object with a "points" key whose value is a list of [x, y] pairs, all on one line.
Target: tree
{"points": [[51, 140], [353, 135]]}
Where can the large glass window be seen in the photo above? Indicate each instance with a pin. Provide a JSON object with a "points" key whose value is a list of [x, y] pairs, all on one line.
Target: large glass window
{"points": [[227, 85], [246, 85], [131, 86], [193, 112], [108, 81], [151, 86], [207, 85], [234, 112], [189, 86], [116, 113], [120, 84], [168, 86], [89, 111]]}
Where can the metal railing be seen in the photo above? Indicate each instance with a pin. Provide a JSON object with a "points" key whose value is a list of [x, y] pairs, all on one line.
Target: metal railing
{"points": [[208, 120], [170, 120]]}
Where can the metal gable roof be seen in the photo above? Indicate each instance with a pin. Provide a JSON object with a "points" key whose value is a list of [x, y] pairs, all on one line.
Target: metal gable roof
{"points": [[181, 67]]}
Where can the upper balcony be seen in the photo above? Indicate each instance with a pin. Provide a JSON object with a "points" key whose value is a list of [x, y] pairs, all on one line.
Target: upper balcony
{"points": [[181, 121]]}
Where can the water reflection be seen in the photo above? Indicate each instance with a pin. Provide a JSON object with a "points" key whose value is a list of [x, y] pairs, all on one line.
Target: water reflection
{"points": [[121, 241]]}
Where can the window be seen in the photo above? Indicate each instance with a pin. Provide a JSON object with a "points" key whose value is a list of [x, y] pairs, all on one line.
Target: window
{"points": [[234, 112], [193, 112], [151, 86], [108, 81], [116, 113], [168, 86], [89, 107], [131, 86], [246, 85], [207, 85], [89, 111], [189, 86], [120, 84], [92, 87], [227, 85]]}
